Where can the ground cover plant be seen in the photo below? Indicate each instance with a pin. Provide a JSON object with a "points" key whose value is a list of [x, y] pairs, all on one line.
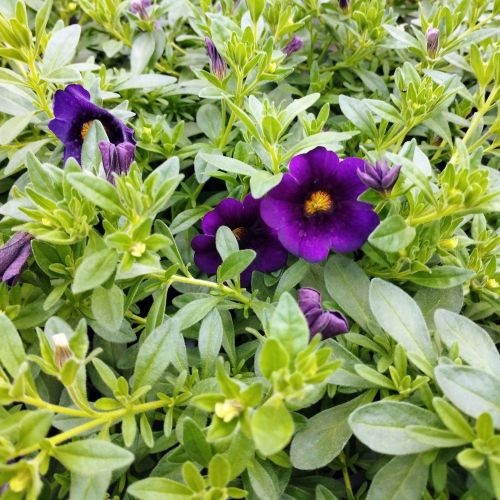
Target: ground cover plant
{"points": [[249, 249]]}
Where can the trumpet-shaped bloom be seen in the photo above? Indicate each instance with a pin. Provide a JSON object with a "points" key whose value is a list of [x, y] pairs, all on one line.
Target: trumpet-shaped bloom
{"points": [[244, 220], [315, 207], [74, 114]]}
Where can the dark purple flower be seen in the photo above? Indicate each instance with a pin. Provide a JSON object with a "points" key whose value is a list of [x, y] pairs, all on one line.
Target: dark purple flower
{"points": [[315, 208], [379, 176], [432, 37], [217, 64], [74, 114], [244, 220], [294, 45], [13, 257], [329, 323], [344, 5], [116, 159], [139, 7]]}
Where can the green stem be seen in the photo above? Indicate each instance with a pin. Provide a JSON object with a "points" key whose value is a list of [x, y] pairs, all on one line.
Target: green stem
{"points": [[106, 418], [347, 479], [39, 403]]}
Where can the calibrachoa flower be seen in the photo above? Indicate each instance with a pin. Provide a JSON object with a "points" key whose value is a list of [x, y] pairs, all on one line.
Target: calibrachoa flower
{"points": [[432, 37], [244, 220], [13, 257], [329, 323], [74, 114], [294, 45], [139, 7], [315, 207], [217, 64], [379, 176], [116, 159]]}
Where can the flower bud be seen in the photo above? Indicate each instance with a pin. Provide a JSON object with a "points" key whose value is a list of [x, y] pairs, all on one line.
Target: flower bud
{"points": [[432, 37], [62, 349], [449, 243], [293, 46], [379, 176], [217, 64], [344, 6], [139, 7], [228, 410]]}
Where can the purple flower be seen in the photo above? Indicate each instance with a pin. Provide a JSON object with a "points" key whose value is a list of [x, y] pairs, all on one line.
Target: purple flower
{"points": [[244, 220], [13, 257], [217, 64], [379, 176], [116, 159], [432, 37], [74, 114], [329, 323], [315, 208], [294, 45], [139, 7]]}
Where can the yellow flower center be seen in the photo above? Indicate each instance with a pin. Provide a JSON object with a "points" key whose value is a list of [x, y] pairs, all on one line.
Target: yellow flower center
{"points": [[228, 410], [318, 202], [137, 249], [86, 128], [239, 232]]}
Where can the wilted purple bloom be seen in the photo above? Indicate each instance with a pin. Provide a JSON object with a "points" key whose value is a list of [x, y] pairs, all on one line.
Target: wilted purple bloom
{"points": [[13, 257], [295, 44], [244, 220], [139, 7], [344, 5], [432, 37], [315, 206], [116, 159], [329, 323], [379, 176], [74, 114], [217, 64]]}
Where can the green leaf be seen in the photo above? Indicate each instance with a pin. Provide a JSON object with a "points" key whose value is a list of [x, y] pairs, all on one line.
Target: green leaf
{"points": [[402, 477], [442, 277], [475, 345], [225, 242], [218, 471], [358, 113], [12, 353], [142, 50], [261, 182], [439, 438], [398, 314], [325, 435], [431, 299], [272, 358], [235, 264], [209, 119], [382, 427], [210, 341], [471, 390], [155, 354], [94, 270], [289, 326], [97, 190], [60, 49], [292, 276], [272, 427], [195, 311], [228, 164], [91, 154], [159, 488], [195, 443], [85, 487], [261, 482], [349, 286], [92, 456], [13, 127], [392, 234], [34, 427], [108, 307]]}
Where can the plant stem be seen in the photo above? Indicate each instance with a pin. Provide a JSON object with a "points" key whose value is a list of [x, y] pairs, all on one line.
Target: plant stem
{"points": [[345, 475]]}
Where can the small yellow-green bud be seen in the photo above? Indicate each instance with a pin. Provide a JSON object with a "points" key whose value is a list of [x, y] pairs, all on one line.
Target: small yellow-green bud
{"points": [[228, 410], [449, 243], [137, 249]]}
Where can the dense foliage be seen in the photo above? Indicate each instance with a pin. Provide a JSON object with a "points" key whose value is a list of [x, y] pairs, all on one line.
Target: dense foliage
{"points": [[251, 249]]}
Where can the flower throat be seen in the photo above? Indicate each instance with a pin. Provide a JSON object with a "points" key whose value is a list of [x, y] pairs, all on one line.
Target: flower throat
{"points": [[318, 202]]}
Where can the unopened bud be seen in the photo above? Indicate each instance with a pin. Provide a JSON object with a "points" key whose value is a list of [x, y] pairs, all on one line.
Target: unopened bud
{"points": [[62, 349], [432, 37], [493, 283], [217, 63], [228, 410], [449, 243], [137, 249], [344, 6]]}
